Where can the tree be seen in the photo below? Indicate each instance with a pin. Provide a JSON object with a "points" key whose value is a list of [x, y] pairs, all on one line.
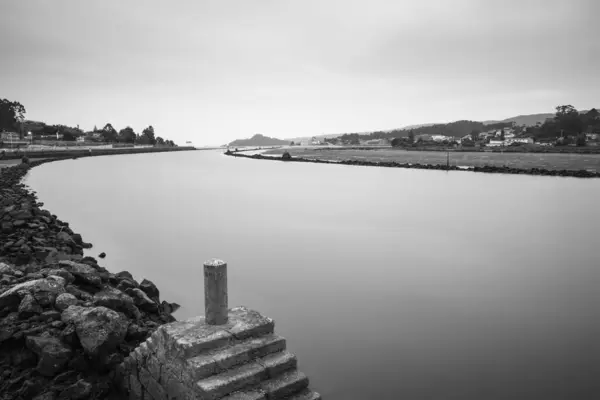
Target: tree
{"points": [[411, 136], [149, 133], [160, 141], [568, 120], [127, 135], [475, 135], [11, 116], [68, 136], [396, 142], [292, 143], [109, 133], [502, 137], [580, 141]]}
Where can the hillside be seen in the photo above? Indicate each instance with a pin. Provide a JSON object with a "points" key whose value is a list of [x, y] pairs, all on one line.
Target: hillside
{"points": [[259, 140], [527, 120]]}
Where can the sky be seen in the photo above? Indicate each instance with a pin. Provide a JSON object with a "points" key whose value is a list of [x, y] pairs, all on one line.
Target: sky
{"points": [[210, 72]]}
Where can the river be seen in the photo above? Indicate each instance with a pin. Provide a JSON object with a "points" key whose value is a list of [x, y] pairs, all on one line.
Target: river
{"points": [[387, 283]]}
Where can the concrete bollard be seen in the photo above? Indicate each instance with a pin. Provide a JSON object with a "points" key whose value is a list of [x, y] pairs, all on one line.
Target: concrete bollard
{"points": [[215, 292]]}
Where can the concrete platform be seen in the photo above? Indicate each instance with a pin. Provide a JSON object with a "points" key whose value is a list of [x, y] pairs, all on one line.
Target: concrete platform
{"points": [[240, 360]]}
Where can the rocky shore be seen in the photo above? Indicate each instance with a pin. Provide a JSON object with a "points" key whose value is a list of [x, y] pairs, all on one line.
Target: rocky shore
{"points": [[286, 157], [66, 322]]}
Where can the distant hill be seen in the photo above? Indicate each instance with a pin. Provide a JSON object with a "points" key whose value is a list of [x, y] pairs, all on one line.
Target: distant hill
{"points": [[259, 140], [527, 120]]}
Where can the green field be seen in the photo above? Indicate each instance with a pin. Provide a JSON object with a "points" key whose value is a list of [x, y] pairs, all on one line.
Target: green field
{"points": [[549, 161]]}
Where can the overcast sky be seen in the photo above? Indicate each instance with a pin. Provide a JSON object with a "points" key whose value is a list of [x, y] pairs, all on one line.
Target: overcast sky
{"points": [[214, 71]]}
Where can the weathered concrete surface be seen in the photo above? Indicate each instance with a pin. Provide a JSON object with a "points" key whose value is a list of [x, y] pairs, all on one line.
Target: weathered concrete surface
{"points": [[240, 360]]}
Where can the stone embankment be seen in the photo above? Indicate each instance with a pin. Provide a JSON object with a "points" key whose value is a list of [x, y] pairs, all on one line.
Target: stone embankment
{"points": [[393, 164], [66, 323]]}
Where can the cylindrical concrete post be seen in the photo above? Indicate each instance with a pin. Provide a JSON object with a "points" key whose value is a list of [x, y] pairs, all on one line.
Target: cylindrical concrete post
{"points": [[215, 292]]}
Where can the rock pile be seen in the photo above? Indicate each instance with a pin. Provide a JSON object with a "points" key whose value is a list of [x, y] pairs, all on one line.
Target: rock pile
{"points": [[65, 321]]}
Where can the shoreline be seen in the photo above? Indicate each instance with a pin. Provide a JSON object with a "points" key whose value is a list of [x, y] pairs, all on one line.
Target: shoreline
{"points": [[66, 323], [393, 164]]}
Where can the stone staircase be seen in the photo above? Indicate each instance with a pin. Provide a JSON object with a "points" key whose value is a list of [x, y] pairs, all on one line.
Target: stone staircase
{"points": [[241, 360]]}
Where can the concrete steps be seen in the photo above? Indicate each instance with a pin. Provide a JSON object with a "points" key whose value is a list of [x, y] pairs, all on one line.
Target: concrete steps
{"points": [[241, 360]]}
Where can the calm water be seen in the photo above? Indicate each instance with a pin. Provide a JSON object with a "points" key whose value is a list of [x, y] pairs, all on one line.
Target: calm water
{"points": [[387, 283]]}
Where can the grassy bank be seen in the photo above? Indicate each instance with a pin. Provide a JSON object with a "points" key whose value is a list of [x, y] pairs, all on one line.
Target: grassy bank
{"points": [[547, 161]]}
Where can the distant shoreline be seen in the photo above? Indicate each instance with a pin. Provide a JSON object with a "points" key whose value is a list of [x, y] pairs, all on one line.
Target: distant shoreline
{"points": [[393, 164]]}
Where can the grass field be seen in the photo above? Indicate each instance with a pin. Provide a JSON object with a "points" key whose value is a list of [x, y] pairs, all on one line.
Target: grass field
{"points": [[549, 161]]}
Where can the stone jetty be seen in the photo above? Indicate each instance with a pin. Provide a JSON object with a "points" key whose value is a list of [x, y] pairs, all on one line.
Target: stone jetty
{"points": [[229, 354]]}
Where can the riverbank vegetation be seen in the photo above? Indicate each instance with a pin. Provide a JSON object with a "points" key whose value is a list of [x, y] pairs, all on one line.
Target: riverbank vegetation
{"points": [[15, 129]]}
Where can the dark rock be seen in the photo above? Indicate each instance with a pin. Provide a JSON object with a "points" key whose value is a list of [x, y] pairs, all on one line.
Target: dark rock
{"points": [[124, 275], [80, 294], [64, 300], [116, 300], [82, 272], [141, 300], [69, 336], [102, 255], [29, 307], [52, 353], [68, 277], [100, 330], [125, 284], [169, 308], [43, 290], [136, 332], [77, 238], [78, 391], [150, 289], [64, 236]]}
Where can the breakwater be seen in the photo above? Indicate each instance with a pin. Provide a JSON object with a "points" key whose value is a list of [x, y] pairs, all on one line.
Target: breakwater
{"points": [[65, 321], [393, 164], [93, 152]]}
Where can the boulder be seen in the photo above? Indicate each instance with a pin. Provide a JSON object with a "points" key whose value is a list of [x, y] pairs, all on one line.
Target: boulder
{"points": [[6, 269], [169, 308], [141, 300], [43, 290], [99, 329], [81, 272], [64, 300], [124, 275], [102, 255], [52, 354], [150, 289], [59, 272], [116, 300], [29, 307], [64, 236]]}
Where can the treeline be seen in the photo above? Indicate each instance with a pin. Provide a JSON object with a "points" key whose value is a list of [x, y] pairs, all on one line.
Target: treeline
{"points": [[568, 124], [455, 129], [12, 120]]}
